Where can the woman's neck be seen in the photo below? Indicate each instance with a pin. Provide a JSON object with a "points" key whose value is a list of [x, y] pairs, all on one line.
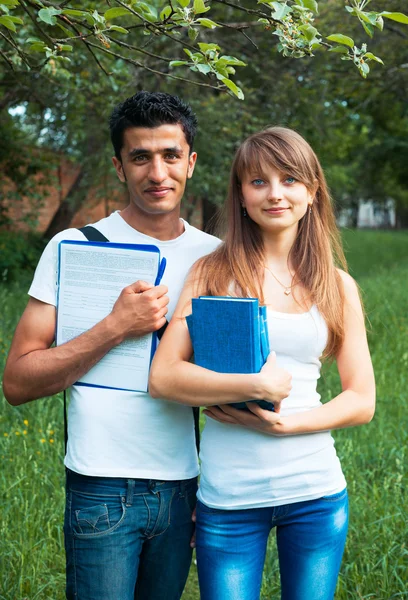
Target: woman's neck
{"points": [[278, 246]]}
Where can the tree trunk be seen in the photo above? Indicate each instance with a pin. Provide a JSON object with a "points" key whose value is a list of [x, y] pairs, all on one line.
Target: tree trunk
{"points": [[70, 205], [210, 214]]}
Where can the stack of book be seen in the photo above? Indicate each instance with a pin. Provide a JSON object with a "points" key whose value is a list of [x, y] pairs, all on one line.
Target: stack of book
{"points": [[230, 335]]}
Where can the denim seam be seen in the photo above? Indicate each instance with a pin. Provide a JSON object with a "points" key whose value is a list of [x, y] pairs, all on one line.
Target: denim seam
{"points": [[73, 547], [95, 495], [82, 536], [148, 517], [335, 497], [173, 491]]}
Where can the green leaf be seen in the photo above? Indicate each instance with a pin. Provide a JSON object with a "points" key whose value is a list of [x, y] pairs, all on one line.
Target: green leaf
{"points": [[233, 87], [192, 34], [394, 16], [380, 23], [8, 23], [203, 69], [67, 32], [339, 49], [38, 47], [311, 5], [206, 47], [230, 60], [65, 48], [178, 63], [207, 23], [70, 12], [47, 15], [200, 7], [16, 20], [339, 38], [10, 3], [117, 28], [165, 13], [190, 54], [371, 56], [368, 28], [114, 13], [364, 68], [309, 32], [281, 10], [184, 3], [149, 11]]}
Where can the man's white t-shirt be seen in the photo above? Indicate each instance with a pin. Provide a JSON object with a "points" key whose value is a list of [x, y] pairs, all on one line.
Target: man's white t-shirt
{"points": [[113, 433]]}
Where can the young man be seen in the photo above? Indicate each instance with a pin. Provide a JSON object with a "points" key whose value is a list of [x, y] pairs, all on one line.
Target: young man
{"points": [[131, 460]]}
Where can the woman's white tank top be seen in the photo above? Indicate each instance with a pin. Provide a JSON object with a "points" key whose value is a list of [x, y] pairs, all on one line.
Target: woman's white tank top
{"points": [[241, 468]]}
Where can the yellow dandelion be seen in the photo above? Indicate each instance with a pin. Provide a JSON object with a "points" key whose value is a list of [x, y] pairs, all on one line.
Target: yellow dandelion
{"points": [[25, 432], [51, 432], [38, 452], [51, 441], [25, 421], [6, 435], [17, 433], [43, 440]]}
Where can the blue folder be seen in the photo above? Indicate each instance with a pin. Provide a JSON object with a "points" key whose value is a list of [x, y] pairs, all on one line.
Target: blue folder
{"points": [[230, 335]]}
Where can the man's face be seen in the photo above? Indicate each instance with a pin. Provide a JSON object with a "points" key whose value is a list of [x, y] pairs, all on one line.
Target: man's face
{"points": [[156, 164]]}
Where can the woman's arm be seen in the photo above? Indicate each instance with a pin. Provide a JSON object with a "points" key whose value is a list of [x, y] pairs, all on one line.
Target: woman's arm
{"points": [[354, 406], [174, 378]]}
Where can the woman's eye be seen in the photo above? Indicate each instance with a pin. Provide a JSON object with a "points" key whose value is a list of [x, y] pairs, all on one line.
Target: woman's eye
{"points": [[290, 180], [258, 181]]}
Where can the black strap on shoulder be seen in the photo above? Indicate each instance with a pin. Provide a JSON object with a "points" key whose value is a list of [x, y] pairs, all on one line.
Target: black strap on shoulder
{"points": [[94, 235]]}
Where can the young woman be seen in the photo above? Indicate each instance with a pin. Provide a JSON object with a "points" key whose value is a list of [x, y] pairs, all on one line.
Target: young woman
{"points": [[263, 469]]}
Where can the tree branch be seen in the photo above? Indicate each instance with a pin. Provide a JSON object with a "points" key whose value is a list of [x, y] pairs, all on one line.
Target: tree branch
{"points": [[142, 66]]}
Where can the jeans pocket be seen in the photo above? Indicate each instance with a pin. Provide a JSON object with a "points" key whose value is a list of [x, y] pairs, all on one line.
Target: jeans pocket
{"points": [[95, 516], [335, 497]]}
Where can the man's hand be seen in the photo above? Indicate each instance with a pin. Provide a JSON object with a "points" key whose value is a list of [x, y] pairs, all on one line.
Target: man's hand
{"points": [[276, 383], [256, 418], [140, 309]]}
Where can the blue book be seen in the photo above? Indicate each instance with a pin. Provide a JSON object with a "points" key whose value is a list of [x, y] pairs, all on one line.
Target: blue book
{"points": [[230, 335]]}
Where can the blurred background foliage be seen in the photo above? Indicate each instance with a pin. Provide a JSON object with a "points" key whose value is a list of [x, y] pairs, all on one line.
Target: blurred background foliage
{"points": [[358, 127]]}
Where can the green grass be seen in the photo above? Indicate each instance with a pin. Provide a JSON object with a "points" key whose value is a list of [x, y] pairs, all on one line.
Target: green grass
{"points": [[375, 564]]}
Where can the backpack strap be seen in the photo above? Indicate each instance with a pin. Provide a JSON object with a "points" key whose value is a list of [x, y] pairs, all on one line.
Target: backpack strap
{"points": [[94, 235]]}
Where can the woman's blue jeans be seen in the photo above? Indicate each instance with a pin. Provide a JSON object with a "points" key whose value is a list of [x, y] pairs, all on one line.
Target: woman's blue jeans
{"points": [[127, 539], [231, 548]]}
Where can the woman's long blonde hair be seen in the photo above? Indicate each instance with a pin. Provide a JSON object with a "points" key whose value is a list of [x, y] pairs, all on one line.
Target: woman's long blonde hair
{"points": [[317, 250]]}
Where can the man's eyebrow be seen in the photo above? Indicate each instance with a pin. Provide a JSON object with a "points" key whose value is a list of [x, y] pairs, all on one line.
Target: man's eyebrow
{"points": [[137, 151], [143, 151]]}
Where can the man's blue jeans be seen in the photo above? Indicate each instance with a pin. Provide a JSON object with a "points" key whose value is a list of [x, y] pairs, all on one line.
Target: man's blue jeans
{"points": [[231, 548], [127, 538]]}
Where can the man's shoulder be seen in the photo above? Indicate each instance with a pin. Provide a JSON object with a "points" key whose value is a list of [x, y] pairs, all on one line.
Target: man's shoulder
{"points": [[201, 237]]}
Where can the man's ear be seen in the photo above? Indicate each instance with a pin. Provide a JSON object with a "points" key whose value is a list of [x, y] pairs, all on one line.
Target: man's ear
{"points": [[191, 164], [119, 169]]}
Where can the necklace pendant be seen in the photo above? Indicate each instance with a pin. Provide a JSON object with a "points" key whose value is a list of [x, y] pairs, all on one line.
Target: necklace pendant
{"points": [[287, 291]]}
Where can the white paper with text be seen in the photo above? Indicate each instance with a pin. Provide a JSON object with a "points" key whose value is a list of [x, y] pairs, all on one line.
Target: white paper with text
{"points": [[91, 277]]}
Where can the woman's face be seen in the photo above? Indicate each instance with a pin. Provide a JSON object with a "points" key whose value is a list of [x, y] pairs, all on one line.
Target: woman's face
{"points": [[275, 200]]}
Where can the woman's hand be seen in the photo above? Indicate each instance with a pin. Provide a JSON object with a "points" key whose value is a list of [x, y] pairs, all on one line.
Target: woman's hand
{"points": [[276, 383], [255, 417]]}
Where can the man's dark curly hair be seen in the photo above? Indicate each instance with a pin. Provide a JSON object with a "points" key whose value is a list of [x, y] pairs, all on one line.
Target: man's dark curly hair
{"points": [[151, 109]]}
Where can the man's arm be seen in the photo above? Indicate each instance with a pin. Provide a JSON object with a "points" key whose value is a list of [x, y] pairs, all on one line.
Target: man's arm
{"points": [[34, 369]]}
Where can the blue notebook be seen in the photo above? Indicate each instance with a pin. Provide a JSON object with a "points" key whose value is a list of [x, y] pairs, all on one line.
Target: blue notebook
{"points": [[230, 335]]}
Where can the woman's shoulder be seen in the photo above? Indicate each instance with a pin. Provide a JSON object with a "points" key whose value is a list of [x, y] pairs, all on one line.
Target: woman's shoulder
{"points": [[350, 287]]}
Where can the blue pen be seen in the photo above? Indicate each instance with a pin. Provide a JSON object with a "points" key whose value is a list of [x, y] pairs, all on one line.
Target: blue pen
{"points": [[160, 273]]}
